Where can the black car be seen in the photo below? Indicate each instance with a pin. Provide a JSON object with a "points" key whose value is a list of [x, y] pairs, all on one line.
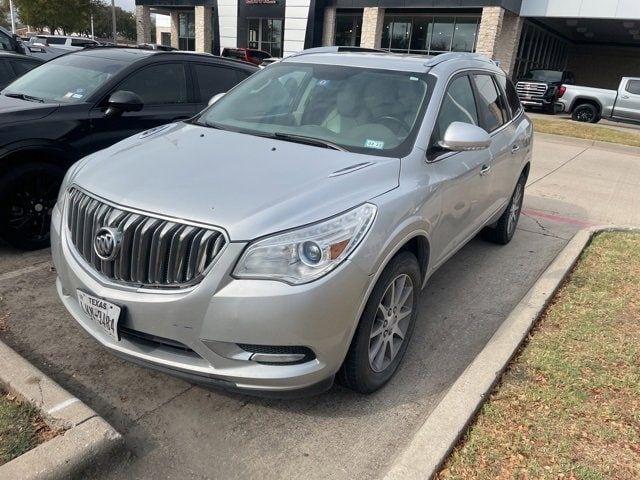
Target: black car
{"points": [[13, 65], [539, 89], [85, 101]]}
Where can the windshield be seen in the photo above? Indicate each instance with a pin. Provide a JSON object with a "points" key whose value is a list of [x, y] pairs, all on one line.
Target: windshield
{"points": [[66, 79], [547, 76], [357, 109]]}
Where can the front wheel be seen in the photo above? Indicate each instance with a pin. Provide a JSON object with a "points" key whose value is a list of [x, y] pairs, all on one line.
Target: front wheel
{"points": [[385, 327], [505, 228], [27, 196]]}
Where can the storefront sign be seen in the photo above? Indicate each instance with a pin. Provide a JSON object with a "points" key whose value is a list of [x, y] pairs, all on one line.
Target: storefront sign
{"points": [[260, 2]]}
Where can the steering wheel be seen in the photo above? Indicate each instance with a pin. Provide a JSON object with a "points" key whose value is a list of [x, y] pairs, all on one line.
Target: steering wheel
{"points": [[397, 126]]}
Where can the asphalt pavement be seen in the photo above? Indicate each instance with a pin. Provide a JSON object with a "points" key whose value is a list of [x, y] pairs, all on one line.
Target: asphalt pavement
{"points": [[175, 430]]}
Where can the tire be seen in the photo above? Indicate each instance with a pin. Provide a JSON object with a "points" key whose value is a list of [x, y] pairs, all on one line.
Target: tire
{"points": [[505, 227], [27, 195], [358, 372], [585, 113]]}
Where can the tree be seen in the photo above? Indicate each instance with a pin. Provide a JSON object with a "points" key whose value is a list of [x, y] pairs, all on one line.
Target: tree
{"points": [[125, 22], [65, 16], [5, 21]]}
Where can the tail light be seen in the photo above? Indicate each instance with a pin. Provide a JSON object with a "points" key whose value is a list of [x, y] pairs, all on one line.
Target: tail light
{"points": [[561, 91]]}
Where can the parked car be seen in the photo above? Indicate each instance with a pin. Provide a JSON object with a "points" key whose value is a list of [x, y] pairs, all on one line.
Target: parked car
{"points": [[283, 235], [85, 101], [246, 54], [10, 42], [539, 89], [590, 105], [72, 42], [13, 65]]}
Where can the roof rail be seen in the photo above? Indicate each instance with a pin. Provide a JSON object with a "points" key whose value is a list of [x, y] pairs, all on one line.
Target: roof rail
{"points": [[337, 49], [445, 57]]}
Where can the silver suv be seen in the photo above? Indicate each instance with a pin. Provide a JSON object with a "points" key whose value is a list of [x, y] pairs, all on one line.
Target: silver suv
{"points": [[282, 236]]}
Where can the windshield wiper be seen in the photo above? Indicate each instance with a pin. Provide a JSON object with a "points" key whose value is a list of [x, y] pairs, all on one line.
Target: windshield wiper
{"points": [[292, 137], [23, 96]]}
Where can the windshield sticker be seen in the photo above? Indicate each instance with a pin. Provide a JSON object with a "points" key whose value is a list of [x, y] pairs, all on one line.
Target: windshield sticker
{"points": [[414, 79], [77, 95], [68, 95], [377, 144]]}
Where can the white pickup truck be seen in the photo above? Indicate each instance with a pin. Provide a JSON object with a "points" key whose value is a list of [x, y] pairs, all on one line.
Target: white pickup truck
{"points": [[586, 104]]}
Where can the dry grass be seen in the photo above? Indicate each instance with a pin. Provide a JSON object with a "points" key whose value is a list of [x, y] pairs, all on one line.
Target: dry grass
{"points": [[569, 405], [586, 131], [21, 428]]}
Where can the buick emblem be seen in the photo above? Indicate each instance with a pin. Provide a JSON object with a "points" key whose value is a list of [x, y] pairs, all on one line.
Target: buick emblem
{"points": [[107, 243]]}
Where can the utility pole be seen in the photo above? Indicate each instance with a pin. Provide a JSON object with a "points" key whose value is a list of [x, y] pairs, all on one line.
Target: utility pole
{"points": [[113, 21], [13, 17], [92, 36]]}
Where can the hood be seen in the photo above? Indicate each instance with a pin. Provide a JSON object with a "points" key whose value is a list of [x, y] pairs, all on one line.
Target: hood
{"points": [[250, 186], [14, 110]]}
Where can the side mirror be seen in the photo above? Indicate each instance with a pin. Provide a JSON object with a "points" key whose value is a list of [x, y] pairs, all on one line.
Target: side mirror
{"points": [[215, 98], [464, 137], [123, 101]]}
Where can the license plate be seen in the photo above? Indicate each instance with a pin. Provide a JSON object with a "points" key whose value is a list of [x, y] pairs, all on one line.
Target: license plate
{"points": [[104, 314]]}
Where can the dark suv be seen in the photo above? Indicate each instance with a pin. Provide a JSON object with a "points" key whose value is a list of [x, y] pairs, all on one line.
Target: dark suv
{"points": [[540, 89], [85, 101]]}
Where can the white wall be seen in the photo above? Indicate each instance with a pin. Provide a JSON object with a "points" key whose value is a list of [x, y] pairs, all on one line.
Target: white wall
{"points": [[228, 20], [621, 9], [295, 25]]}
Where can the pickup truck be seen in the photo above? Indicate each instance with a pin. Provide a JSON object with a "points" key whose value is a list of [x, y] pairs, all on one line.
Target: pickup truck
{"points": [[538, 89], [590, 105]]}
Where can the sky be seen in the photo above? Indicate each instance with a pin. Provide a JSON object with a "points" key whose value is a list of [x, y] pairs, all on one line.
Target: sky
{"points": [[125, 4]]}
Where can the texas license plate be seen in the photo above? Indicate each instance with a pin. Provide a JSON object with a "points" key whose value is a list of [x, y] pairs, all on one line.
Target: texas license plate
{"points": [[104, 314]]}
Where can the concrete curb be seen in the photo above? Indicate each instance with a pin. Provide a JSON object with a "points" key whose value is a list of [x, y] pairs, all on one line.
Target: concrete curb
{"points": [[87, 437], [582, 142], [441, 431]]}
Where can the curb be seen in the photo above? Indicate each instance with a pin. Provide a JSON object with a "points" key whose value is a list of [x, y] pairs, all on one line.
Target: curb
{"points": [[87, 437], [583, 142], [441, 431]]}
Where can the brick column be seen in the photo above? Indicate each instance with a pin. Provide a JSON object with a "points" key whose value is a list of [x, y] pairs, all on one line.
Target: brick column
{"points": [[329, 29], [143, 24], [372, 20], [499, 36], [203, 29], [174, 29]]}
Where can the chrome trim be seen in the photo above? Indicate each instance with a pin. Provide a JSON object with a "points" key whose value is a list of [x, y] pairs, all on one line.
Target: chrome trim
{"points": [[277, 357], [158, 252]]}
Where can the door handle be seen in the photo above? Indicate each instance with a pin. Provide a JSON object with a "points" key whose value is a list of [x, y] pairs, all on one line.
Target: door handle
{"points": [[485, 169], [515, 149]]}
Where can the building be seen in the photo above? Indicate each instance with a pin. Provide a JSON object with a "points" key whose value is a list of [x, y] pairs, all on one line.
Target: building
{"points": [[520, 34]]}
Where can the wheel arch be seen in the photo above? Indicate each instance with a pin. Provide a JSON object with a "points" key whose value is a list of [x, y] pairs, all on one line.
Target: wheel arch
{"points": [[580, 100], [53, 154]]}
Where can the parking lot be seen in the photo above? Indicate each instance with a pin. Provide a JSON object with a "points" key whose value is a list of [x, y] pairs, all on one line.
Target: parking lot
{"points": [[175, 430]]}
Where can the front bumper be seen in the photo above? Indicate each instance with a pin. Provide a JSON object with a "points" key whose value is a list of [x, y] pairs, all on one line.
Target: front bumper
{"points": [[209, 320]]}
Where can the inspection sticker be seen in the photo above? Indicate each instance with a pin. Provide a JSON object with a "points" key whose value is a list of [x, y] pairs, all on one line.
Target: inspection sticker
{"points": [[377, 144]]}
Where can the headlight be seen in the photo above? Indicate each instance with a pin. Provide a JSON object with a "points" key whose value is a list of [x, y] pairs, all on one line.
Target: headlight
{"points": [[308, 253]]}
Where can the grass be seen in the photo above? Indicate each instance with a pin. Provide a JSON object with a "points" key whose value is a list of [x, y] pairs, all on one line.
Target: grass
{"points": [[21, 428], [586, 131], [569, 404]]}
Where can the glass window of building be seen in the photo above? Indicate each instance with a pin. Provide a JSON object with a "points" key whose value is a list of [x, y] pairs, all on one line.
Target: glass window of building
{"points": [[348, 29], [430, 35], [266, 34], [186, 31]]}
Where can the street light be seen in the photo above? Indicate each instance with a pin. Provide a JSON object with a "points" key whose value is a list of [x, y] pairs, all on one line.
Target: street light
{"points": [[13, 17]]}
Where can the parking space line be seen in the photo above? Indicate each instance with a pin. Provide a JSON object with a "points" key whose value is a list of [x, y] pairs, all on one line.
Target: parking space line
{"points": [[554, 217], [24, 270]]}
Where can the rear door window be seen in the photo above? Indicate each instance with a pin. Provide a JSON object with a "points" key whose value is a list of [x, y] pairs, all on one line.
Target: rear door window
{"points": [[492, 111], [510, 93], [214, 79], [633, 87]]}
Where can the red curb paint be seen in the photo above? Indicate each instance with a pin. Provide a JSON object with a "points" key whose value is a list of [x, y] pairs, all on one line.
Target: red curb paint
{"points": [[556, 218]]}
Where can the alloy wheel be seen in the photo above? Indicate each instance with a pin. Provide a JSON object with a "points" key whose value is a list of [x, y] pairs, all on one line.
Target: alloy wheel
{"points": [[392, 320], [514, 209]]}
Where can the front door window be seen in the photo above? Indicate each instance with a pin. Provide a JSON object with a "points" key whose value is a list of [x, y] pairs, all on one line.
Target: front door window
{"points": [[266, 34]]}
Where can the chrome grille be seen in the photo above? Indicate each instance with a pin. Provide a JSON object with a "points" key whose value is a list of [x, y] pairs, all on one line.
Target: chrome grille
{"points": [[533, 90], [154, 252]]}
